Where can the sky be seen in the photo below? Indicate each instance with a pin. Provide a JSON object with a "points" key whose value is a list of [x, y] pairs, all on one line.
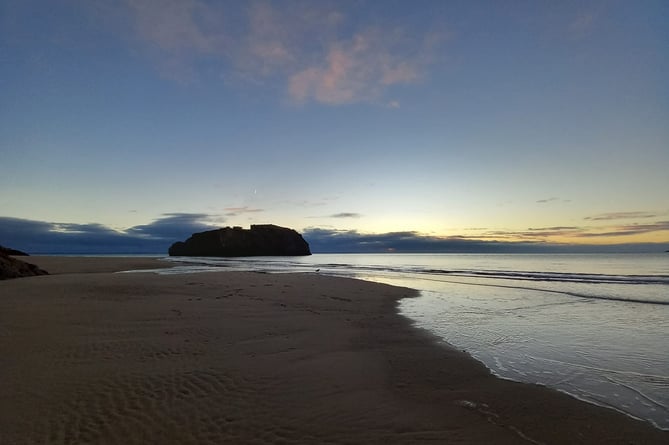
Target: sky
{"points": [[366, 125]]}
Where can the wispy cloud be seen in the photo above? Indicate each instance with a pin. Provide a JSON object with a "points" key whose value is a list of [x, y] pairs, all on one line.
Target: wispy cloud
{"points": [[547, 200], [581, 24], [236, 211], [308, 203], [536, 234], [177, 32], [529, 235], [179, 26], [621, 215], [546, 232], [314, 50], [552, 200], [627, 230], [278, 41], [346, 215]]}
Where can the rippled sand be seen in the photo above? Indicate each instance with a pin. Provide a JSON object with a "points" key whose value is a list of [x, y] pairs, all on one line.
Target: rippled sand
{"points": [[253, 358]]}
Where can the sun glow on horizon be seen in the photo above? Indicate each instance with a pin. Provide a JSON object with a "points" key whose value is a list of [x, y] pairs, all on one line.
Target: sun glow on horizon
{"points": [[449, 120]]}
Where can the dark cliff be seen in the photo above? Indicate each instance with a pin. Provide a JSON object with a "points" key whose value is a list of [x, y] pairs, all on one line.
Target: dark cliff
{"points": [[10, 251], [260, 240], [13, 268]]}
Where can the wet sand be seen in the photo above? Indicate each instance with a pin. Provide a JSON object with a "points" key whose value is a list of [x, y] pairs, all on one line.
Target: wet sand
{"points": [[90, 356]]}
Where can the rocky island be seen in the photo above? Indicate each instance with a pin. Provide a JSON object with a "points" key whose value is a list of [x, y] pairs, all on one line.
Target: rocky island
{"points": [[259, 240]]}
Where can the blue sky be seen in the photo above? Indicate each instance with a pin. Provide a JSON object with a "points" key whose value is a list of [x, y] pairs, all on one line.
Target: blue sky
{"points": [[528, 122]]}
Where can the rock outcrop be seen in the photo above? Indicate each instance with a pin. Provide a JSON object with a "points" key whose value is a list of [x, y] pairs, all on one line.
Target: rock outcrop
{"points": [[9, 251], [260, 240], [13, 268]]}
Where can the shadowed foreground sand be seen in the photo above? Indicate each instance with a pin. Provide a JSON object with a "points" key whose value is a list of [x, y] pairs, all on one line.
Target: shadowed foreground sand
{"points": [[103, 358]]}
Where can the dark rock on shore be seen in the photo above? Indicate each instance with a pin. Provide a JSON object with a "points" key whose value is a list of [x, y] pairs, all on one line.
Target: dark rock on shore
{"points": [[14, 252], [13, 268], [260, 240]]}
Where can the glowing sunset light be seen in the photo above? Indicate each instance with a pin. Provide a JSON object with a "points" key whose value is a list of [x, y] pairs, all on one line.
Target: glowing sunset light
{"points": [[477, 121]]}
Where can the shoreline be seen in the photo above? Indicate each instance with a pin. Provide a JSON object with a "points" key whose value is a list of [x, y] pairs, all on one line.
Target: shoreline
{"points": [[58, 265], [303, 357]]}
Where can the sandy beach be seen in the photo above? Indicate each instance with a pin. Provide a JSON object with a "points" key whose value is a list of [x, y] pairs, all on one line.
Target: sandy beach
{"points": [[89, 356]]}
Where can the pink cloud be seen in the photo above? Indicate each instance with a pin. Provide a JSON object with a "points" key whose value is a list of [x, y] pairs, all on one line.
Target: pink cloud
{"points": [[306, 48], [268, 46], [176, 25], [177, 32], [357, 70]]}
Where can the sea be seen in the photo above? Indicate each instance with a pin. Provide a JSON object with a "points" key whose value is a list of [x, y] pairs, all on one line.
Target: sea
{"points": [[595, 326]]}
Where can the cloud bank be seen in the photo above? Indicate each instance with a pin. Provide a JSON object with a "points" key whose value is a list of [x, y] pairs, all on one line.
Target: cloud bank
{"points": [[41, 237], [37, 237], [352, 241]]}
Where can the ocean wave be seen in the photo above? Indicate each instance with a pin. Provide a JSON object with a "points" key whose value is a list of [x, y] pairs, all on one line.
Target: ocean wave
{"points": [[585, 285], [559, 277]]}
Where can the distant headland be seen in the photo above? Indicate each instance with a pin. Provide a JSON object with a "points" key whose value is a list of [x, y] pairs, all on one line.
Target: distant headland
{"points": [[259, 240]]}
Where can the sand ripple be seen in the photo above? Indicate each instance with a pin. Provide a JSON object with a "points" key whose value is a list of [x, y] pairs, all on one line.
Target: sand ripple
{"points": [[253, 359]]}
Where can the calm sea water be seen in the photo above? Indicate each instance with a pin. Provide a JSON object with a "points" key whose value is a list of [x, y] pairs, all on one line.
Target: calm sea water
{"points": [[594, 326]]}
